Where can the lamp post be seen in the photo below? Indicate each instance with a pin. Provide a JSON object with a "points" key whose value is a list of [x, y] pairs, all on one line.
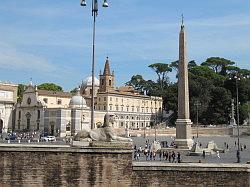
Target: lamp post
{"points": [[155, 118], [197, 104], [238, 118], [144, 118], [237, 78], [94, 14]]}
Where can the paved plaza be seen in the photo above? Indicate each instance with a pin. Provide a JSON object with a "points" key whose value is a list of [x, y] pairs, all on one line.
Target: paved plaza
{"points": [[228, 157]]}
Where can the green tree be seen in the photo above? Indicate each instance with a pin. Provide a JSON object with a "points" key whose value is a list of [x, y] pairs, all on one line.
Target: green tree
{"points": [[218, 64], [50, 87], [137, 82], [161, 70], [20, 90]]}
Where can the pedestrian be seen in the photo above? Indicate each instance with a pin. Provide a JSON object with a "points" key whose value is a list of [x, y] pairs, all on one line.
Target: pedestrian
{"points": [[160, 154], [245, 147], [137, 156], [218, 154], [154, 155], [227, 146], [135, 147], [200, 144], [169, 157], [235, 143], [178, 157], [135, 152], [241, 148], [166, 155], [204, 154], [173, 156]]}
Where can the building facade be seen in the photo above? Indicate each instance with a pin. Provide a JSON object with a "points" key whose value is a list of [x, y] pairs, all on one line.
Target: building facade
{"points": [[61, 113], [8, 98], [133, 110]]}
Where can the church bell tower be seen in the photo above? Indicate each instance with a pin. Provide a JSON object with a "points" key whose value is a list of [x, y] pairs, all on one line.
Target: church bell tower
{"points": [[107, 79]]}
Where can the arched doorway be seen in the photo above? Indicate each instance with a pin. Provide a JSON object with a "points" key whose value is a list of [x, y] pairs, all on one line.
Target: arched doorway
{"points": [[1, 126]]}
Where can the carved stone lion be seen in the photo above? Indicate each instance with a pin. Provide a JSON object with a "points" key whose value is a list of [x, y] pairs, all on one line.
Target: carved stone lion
{"points": [[104, 133]]}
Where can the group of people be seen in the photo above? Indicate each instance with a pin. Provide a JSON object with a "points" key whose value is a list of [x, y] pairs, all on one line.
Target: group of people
{"points": [[150, 153]]}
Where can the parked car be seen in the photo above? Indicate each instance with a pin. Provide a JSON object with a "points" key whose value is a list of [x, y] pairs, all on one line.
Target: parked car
{"points": [[48, 138]]}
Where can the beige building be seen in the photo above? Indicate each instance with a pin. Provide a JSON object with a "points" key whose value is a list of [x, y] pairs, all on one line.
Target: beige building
{"points": [[133, 110], [30, 111], [8, 98], [60, 113]]}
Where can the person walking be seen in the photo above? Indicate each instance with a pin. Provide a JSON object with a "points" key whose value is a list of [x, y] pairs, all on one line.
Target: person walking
{"points": [[169, 156], [178, 157], [203, 154], [218, 154], [173, 156]]}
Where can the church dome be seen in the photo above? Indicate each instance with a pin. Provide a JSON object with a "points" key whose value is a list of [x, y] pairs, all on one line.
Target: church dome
{"points": [[88, 82], [77, 101]]}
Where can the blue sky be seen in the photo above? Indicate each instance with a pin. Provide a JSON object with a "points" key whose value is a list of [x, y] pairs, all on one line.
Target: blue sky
{"points": [[51, 41]]}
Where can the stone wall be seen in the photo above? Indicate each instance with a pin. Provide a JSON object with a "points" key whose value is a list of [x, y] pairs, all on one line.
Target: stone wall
{"points": [[171, 131], [203, 175], [105, 169]]}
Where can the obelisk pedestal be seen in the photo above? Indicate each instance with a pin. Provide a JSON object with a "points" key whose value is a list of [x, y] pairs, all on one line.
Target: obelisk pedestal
{"points": [[183, 124]]}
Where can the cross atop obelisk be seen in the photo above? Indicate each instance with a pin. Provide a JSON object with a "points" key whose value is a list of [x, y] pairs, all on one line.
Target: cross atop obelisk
{"points": [[183, 123]]}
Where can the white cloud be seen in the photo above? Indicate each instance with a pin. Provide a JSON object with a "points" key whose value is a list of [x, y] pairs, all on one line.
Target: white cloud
{"points": [[13, 59]]}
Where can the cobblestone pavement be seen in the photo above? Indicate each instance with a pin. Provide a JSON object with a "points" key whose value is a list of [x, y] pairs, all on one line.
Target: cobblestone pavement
{"points": [[228, 157]]}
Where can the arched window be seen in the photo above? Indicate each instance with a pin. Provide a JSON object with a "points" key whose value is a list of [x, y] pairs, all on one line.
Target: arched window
{"points": [[38, 114], [19, 114]]}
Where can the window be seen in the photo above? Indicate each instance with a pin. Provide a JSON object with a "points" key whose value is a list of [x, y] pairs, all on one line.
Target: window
{"points": [[121, 124], [99, 99], [28, 101], [18, 125], [102, 82], [109, 82], [127, 108], [110, 107], [38, 114], [117, 108], [116, 99], [59, 101], [132, 109], [45, 100], [110, 98], [104, 98], [37, 126], [19, 115], [122, 108], [104, 107]]}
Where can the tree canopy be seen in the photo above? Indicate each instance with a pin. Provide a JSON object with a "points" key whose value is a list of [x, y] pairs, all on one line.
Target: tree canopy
{"points": [[50, 87], [212, 83]]}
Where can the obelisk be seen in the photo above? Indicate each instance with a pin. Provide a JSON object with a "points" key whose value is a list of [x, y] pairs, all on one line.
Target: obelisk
{"points": [[183, 123]]}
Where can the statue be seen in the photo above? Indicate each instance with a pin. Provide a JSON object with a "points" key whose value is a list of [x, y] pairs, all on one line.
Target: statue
{"points": [[104, 133]]}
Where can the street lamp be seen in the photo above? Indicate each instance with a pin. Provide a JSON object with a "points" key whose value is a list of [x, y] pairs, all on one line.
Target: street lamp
{"points": [[238, 117], [237, 78], [197, 104], [94, 14], [155, 118]]}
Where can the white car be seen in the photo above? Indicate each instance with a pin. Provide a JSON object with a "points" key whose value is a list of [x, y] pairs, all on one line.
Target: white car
{"points": [[49, 138]]}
